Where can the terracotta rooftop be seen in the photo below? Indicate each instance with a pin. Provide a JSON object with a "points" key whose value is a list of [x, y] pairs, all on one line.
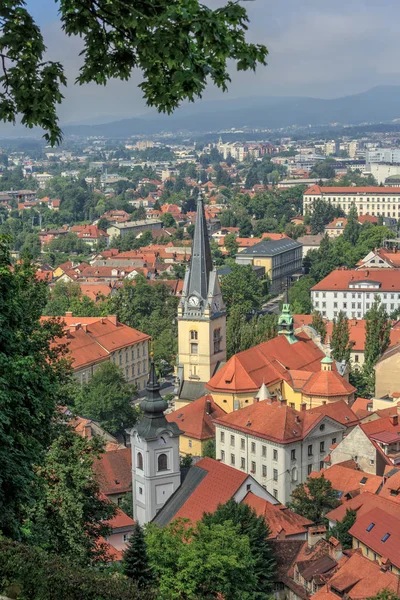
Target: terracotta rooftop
{"points": [[114, 472], [391, 487], [196, 419], [317, 190], [380, 532], [281, 520], [339, 411], [350, 481], [363, 503], [386, 280]]}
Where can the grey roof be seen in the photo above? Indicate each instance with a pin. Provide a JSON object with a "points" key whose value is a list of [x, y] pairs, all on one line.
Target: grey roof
{"points": [[311, 240], [191, 390], [201, 261], [194, 477], [270, 248]]}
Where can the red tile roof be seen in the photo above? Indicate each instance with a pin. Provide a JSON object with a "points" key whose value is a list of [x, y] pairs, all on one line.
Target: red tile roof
{"points": [[267, 363], [363, 503], [383, 525], [361, 407], [391, 487], [279, 518], [317, 190], [272, 421], [348, 480], [341, 279], [327, 384], [218, 486], [114, 472], [339, 411], [120, 519], [358, 578], [194, 420]]}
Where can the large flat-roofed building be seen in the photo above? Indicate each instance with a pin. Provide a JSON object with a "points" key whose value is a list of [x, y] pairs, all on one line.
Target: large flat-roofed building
{"points": [[281, 259], [377, 201], [353, 292], [136, 227]]}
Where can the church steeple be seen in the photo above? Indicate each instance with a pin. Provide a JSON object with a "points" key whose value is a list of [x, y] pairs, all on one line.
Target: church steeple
{"points": [[198, 276], [286, 325]]}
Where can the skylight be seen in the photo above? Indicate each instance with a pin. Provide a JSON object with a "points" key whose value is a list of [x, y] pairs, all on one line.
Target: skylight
{"points": [[364, 480], [370, 526], [385, 537]]}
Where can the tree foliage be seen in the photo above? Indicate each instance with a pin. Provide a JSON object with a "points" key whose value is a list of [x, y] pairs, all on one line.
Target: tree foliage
{"points": [[377, 333], [319, 324], [108, 398], [206, 561], [341, 530], [242, 334], [69, 516], [135, 564], [32, 372], [257, 531], [299, 295], [314, 498], [241, 288], [340, 342], [119, 37]]}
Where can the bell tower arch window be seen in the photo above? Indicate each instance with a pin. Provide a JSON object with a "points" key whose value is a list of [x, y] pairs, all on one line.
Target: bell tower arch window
{"points": [[162, 462]]}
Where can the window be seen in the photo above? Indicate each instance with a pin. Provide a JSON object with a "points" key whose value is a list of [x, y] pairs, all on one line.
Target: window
{"points": [[141, 491], [194, 348], [190, 443], [322, 427], [126, 536], [275, 493], [264, 471], [370, 527], [293, 454], [242, 463], [232, 440], [253, 447], [222, 436], [385, 537], [126, 372], [162, 462], [275, 455], [223, 455], [321, 465], [253, 466], [133, 354], [310, 450], [333, 440], [217, 340], [275, 474], [322, 447], [242, 443], [264, 451], [309, 469], [193, 334], [232, 459], [120, 358], [133, 370], [139, 461]]}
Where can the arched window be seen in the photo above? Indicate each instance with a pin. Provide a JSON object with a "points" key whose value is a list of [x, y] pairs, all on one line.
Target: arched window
{"points": [[162, 462], [139, 461], [193, 334], [217, 340]]}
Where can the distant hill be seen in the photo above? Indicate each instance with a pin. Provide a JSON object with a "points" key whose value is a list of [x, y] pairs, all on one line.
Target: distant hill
{"points": [[380, 104]]}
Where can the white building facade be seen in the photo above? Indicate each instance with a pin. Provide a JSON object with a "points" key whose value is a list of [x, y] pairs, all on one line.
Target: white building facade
{"points": [[376, 201]]}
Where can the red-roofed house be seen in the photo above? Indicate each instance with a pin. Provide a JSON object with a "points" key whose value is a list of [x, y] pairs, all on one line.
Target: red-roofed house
{"points": [[196, 420], [122, 528], [208, 484], [335, 227], [283, 522], [350, 482], [91, 234], [114, 474], [278, 445], [353, 292]]}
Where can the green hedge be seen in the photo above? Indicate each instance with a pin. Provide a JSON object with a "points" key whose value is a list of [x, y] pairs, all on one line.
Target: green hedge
{"points": [[28, 573]]}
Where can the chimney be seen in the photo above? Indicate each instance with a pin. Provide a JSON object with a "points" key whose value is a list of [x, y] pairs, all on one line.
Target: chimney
{"points": [[335, 548], [394, 419], [208, 407], [84, 327], [74, 327], [112, 319], [314, 534], [68, 314], [303, 406]]}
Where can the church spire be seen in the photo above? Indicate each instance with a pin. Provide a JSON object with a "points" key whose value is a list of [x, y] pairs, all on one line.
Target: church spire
{"points": [[201, 261]]}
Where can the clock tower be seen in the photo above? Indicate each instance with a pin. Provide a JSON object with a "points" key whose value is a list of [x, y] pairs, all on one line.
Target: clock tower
{"points": [[201, 319]]}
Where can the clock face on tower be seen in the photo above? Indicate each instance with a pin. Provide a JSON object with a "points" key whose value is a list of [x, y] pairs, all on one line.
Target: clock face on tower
{"points": [[194, 301]]}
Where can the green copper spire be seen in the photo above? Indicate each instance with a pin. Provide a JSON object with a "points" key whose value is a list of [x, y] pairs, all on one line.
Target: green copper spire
{"points": [[285, 324]]}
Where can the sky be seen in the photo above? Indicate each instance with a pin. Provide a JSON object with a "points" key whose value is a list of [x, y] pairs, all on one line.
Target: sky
{"points": [[317, 48]]}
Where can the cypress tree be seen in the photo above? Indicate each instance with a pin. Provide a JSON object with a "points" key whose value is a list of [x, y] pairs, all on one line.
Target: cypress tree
{"points": [[377, 333], [340, 343], [135, 564], [319, 325]]}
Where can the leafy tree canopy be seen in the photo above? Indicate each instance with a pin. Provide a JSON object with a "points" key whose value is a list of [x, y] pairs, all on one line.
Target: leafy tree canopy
{"points": [[177, 45], [314, 498], [341, 530], [242, 288]]}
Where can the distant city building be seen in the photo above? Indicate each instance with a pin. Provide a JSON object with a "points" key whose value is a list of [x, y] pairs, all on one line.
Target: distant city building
{"points": [[136, 227], [377, 201]]}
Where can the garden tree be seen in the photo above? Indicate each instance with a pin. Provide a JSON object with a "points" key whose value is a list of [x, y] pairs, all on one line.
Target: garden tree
{"points": [[340, 342], [300, 296], [314, 498], [108, 397], [323, 169], [168, 220], [119, 38], [319, 324], [205, 561], [352, 230], [256, 529], [69, 517], [323, 213], [242, 334], [222, 177], [68, 243], [228, 218], [377, 333], [341, 530], [126, 504], [252, 178], [135, 563], [32, 573], [103, 223], [295, 231], [242, 288], [245, 227], [265, 226], [231, 244], [33, 372], [234, 327], [67, 296], [209, 449], [31, 245], [217, 256]]}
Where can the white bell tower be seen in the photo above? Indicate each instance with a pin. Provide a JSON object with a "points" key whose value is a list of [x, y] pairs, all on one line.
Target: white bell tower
{"points": [[155, 455]]}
